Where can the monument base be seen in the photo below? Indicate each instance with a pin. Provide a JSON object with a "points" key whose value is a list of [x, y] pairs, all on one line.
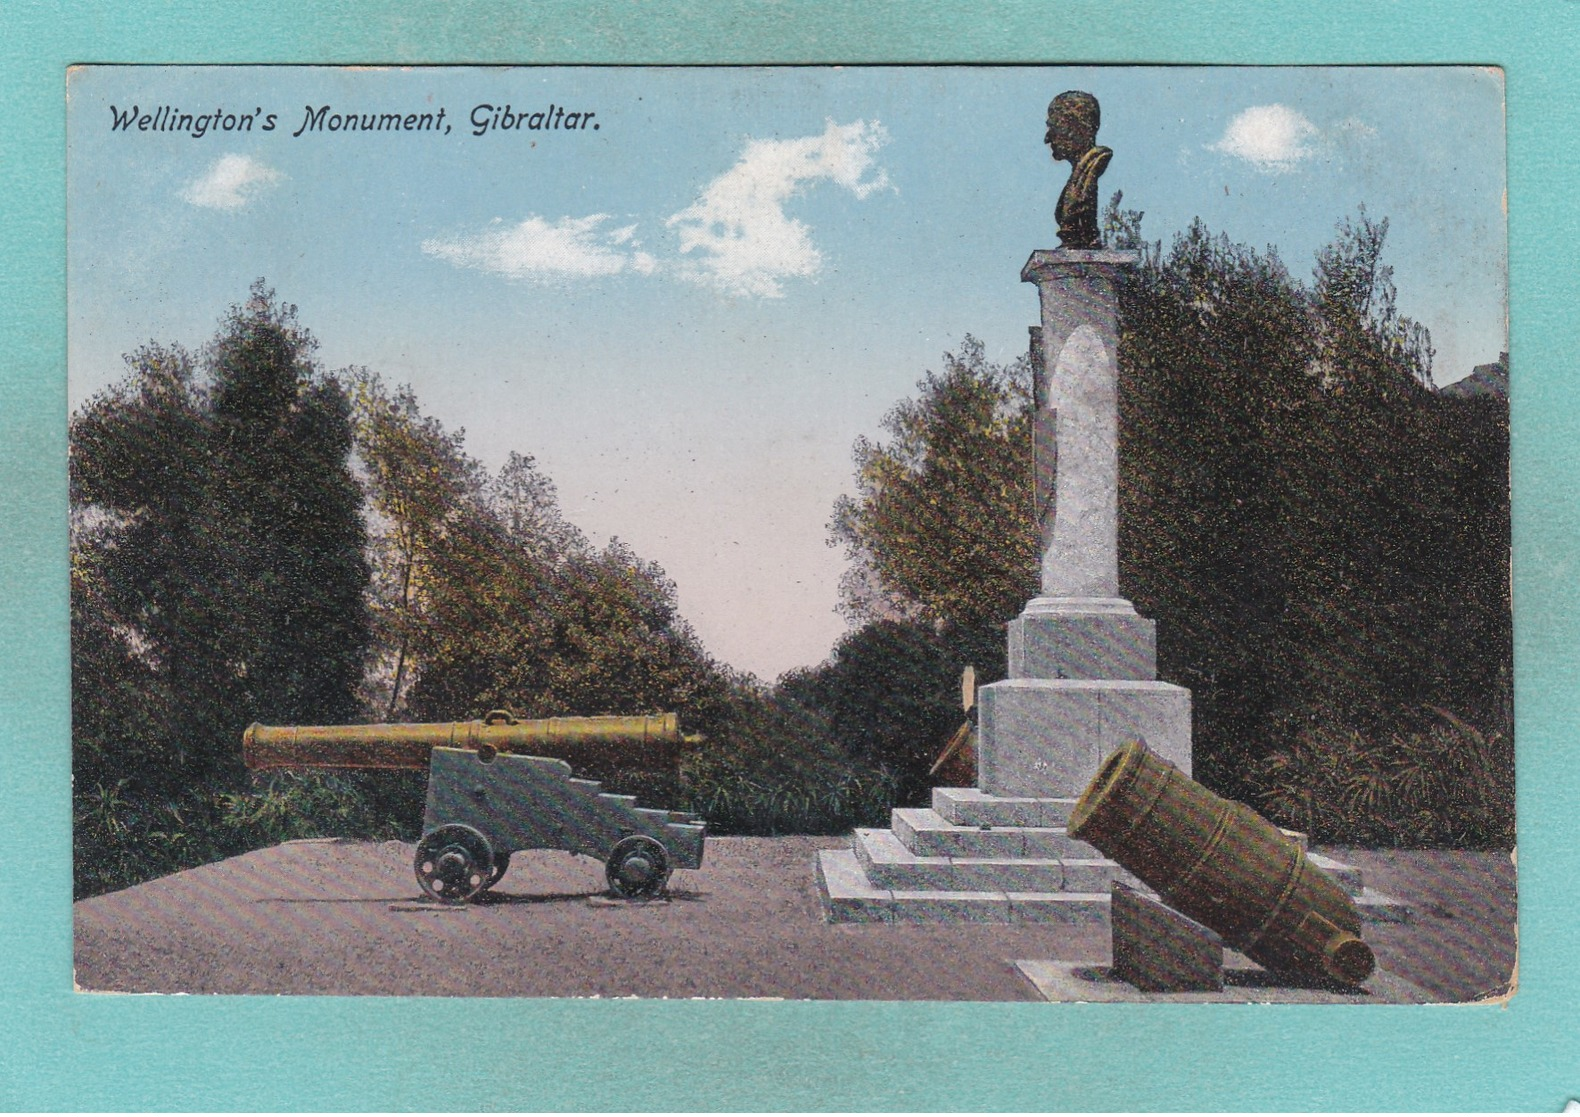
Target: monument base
{"points": [[1082, 638], [1047, 737]]}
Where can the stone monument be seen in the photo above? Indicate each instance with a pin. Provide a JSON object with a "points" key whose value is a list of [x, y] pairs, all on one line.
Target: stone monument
{"points": [[1082, 662]]}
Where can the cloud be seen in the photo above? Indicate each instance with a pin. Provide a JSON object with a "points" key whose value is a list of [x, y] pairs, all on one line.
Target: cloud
{"points": [[744, 242], [232, 182], [569, 248], [736, 237], [1271, 138]]}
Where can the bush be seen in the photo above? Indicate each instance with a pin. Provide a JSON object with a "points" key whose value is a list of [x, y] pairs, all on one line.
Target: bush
{"points": [[1446, 785], [775, 769], [889, 694], [121, 838]]}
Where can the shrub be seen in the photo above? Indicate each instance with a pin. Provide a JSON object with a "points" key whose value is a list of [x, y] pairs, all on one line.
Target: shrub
{"points": [[122, 838], [1448, 784], [775, 769]]}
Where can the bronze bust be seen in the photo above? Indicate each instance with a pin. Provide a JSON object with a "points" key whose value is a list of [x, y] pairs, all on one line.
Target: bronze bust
{"points": [[1073, 118]]}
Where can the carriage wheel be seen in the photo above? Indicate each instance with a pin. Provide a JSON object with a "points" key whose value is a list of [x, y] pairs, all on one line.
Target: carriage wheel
{"points": [[638, 868], [454, 863]]}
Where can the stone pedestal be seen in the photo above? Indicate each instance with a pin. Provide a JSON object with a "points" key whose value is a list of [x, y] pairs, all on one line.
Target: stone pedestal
{"points": [[1082, 662], [1078, 399], [1046, 737]]}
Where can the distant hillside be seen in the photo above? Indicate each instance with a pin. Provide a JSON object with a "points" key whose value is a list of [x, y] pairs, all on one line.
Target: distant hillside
{"points": [[1486, 380]]}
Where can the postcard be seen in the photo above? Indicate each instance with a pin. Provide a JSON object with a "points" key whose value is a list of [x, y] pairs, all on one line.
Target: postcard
{"points": [[824, 533]]}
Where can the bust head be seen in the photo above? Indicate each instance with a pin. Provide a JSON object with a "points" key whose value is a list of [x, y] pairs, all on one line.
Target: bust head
{"points": [[1073, 119]]}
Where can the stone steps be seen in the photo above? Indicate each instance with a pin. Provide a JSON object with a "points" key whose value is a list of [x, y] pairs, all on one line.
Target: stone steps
{"points": [[850, 897], [975, 857]]}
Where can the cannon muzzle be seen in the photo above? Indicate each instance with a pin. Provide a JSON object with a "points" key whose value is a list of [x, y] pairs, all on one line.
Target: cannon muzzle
{"points": [[1223, 865], [592, 744]]}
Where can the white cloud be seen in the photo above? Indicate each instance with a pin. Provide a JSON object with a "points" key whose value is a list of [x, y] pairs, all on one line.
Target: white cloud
{"points": [[1270, 137], [232, 182], [570, 248], [745, 242]]}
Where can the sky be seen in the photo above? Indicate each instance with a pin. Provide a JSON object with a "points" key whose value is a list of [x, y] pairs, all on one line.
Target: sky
{"points": [[690, 291]]}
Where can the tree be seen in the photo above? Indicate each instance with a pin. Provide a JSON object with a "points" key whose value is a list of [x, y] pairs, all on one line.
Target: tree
{"points": [[890, 693], [942, 519], [426, 500], [218, 543], [1286, 513], [217, 579], [486, 597]]}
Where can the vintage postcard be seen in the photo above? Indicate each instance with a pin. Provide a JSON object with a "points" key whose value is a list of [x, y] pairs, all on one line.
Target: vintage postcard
{"points": [[940, 533]]}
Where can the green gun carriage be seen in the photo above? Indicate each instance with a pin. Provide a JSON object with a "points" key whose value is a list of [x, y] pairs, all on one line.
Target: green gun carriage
{"points": [[501, 784]]}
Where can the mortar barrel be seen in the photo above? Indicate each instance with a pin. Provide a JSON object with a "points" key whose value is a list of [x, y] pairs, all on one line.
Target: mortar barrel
{"points": [[1223, 865], [586, 743]]}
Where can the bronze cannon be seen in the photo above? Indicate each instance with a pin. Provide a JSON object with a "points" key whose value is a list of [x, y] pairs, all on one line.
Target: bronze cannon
{"points": [[1223, 865], [599, 744], [501, 784]]}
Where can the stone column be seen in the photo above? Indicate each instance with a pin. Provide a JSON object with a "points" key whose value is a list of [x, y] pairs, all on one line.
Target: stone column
{"points": [[1079, 627], [1082, 662], [1080, 356]]}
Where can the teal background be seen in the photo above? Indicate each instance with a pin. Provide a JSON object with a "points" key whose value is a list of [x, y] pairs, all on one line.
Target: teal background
{"points": [[67, 1051]]}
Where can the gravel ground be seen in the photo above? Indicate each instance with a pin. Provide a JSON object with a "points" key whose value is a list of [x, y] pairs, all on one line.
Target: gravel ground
{"points": [[344, 917]]}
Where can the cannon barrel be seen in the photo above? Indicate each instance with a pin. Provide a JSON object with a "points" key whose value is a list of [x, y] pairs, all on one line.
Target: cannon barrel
{"points": [[1223, 865], [595, 744]]}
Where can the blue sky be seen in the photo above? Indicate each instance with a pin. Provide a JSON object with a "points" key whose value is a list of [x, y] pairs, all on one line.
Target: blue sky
{"points": [[690, 312]]}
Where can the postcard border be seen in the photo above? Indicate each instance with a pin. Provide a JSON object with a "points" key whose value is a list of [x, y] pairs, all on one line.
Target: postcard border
{"points": [[60, 1050]]}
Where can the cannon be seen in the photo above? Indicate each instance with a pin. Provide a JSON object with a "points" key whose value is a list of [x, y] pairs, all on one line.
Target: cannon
{"points": [[1223, 865], [502, 784]]}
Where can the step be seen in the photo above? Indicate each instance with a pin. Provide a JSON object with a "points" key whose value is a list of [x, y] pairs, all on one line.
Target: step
{"points": [[927, 833], [889, 864], [848, 896], [970, 806], [620, 800]]}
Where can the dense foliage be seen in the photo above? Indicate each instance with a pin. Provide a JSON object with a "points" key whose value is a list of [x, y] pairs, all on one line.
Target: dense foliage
{"points": [[217, 579]]}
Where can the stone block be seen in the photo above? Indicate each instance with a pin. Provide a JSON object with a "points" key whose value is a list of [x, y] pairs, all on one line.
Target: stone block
{"points": [[1044, 738], [1060, 645], [1378, 907], [1347, 877], [1055, 841], [1158, 950], [847, 895], [970, 806], [1090, 874], [1029, 874], [888, 864]]}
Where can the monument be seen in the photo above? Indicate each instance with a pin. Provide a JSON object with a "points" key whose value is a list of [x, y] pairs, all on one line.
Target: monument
{"points": [[1082, 662]]}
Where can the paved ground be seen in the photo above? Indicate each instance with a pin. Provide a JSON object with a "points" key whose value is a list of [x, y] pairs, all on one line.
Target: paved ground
{"points": [[346, 917]]}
